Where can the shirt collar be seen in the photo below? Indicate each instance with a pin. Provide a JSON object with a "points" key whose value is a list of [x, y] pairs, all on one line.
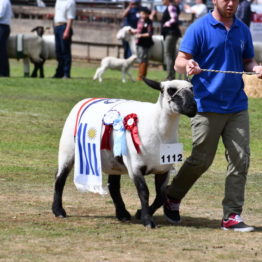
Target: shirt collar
{"points": [[214, 22]]}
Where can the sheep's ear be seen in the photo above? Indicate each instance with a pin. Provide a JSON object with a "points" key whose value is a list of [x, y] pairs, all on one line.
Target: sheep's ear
{"points": [[154, 84], [34, 29]]}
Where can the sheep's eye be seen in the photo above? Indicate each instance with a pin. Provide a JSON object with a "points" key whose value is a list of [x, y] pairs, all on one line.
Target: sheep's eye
{"points": [[171, 91]]}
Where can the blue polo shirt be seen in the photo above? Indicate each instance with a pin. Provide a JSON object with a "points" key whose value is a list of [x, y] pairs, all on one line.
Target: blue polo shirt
{"points": [[213, 47]]}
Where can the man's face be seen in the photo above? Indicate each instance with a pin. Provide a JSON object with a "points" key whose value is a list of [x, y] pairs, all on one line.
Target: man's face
{"points": [[226, 8]]}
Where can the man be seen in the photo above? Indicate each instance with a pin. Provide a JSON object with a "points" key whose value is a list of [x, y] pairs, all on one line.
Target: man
{"points": [[244, 12], [131, 17], [220, 41], [65, 11], [5, 20], [171, 32]]}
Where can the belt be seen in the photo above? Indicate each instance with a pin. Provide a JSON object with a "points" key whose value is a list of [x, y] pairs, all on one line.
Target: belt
{"points": [[61, 23]]}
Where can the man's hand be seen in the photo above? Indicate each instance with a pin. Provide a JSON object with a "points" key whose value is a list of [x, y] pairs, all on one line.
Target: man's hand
{"points": [[258, 70], [192, 68]]}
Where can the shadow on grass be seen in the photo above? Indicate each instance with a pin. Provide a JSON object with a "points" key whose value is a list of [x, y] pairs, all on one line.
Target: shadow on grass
{"points": [[186, 221]]}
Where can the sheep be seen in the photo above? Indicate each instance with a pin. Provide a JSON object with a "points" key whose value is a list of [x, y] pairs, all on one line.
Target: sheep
{"points": [[157, 125], [120, 64], [32, 47], [48, 51], [156, 52]]}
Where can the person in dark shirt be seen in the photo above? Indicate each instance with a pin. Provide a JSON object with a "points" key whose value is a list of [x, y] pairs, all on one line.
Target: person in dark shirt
{"points": [[171, 33], [144, 40], [131, 17], [244, 12], [6, 14]]}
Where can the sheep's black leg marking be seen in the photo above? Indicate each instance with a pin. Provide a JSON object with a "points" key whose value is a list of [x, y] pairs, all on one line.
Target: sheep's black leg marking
{"points": [[41, 69], [143, 194], [57, 206], [160, 181], [114, 189], [34, 73]]}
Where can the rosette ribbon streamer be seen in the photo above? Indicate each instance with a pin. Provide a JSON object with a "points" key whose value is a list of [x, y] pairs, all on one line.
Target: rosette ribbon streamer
{"points": [[130, 123], [108, 121], [105, 142], [119, 137]]}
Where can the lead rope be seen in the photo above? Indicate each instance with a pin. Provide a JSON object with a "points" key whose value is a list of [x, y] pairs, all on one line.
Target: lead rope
{"points": [[220, 71], [228, 72]]}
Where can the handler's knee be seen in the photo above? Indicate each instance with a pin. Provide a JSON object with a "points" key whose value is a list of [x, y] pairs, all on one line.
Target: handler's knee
{"points": [[200, 162]]}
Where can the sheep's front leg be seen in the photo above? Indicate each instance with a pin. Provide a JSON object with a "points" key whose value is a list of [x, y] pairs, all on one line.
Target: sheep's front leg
{"points": [[114, 189], [143, 194], [26, 67], [161, 181], [41, 69]]}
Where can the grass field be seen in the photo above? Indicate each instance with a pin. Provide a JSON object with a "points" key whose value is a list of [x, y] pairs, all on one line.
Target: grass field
{"points": [[32, 114]]}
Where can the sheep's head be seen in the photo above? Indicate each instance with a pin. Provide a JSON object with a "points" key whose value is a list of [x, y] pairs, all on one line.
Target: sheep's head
{"points": [[39, 30], [124, 33], [176, 96], [132, 58]]}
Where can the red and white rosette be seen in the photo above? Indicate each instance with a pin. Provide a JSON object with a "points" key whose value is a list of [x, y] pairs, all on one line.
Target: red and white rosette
{"points": [[130, 123], [108, 121]]}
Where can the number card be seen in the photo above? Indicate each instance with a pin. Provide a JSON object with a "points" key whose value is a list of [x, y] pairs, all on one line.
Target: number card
{"points": [[171, 153]]}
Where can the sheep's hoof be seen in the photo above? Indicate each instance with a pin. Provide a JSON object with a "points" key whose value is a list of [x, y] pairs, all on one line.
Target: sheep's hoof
{"points": [[123, 215], [150, 225], [59, 212], [138, 214]]}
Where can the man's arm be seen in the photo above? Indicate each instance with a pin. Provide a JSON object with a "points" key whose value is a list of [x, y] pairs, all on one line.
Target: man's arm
{"points": [[68, 27], [185, 64]]}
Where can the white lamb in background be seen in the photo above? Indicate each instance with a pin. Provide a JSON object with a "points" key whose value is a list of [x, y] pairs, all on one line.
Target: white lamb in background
{"points": [[157, 125], [114, 63]]}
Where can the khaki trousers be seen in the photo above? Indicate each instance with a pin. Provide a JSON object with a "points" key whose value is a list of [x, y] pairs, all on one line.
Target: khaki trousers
{"points": [[207, 128]]}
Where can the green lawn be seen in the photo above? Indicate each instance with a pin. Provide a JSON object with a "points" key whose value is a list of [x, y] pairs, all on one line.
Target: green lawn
{"points": [[32, 115]]}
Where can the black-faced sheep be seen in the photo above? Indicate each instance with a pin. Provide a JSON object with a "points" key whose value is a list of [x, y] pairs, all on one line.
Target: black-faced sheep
{"points": [[47, 52], [30, 49], [151, 125]]}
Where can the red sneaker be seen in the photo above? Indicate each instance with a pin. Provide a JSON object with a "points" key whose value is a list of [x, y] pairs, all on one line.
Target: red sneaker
{"points": [[235, 223]]}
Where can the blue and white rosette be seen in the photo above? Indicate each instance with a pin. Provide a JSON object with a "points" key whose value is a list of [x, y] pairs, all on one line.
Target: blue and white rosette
{"points": [[120, 147]]}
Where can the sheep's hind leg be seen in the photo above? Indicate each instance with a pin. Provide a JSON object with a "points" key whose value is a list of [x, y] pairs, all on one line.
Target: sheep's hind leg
{"points": [[130, 76], [61, 176], [114, 189], [161, 181]]}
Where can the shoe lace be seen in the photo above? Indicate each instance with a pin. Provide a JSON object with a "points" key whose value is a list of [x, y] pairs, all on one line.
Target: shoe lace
{"points": [[237, 218]]}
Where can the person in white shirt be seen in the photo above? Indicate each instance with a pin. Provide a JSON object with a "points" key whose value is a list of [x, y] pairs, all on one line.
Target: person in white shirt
{"points": [[199, 8], [5, 20], [65, 11]]}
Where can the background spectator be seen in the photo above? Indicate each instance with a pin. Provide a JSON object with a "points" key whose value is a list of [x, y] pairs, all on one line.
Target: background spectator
{"points": [[199, 8], [131, 17], [171, 32], [65, 11], [5, 20], [244, 12], [144, 41]]}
